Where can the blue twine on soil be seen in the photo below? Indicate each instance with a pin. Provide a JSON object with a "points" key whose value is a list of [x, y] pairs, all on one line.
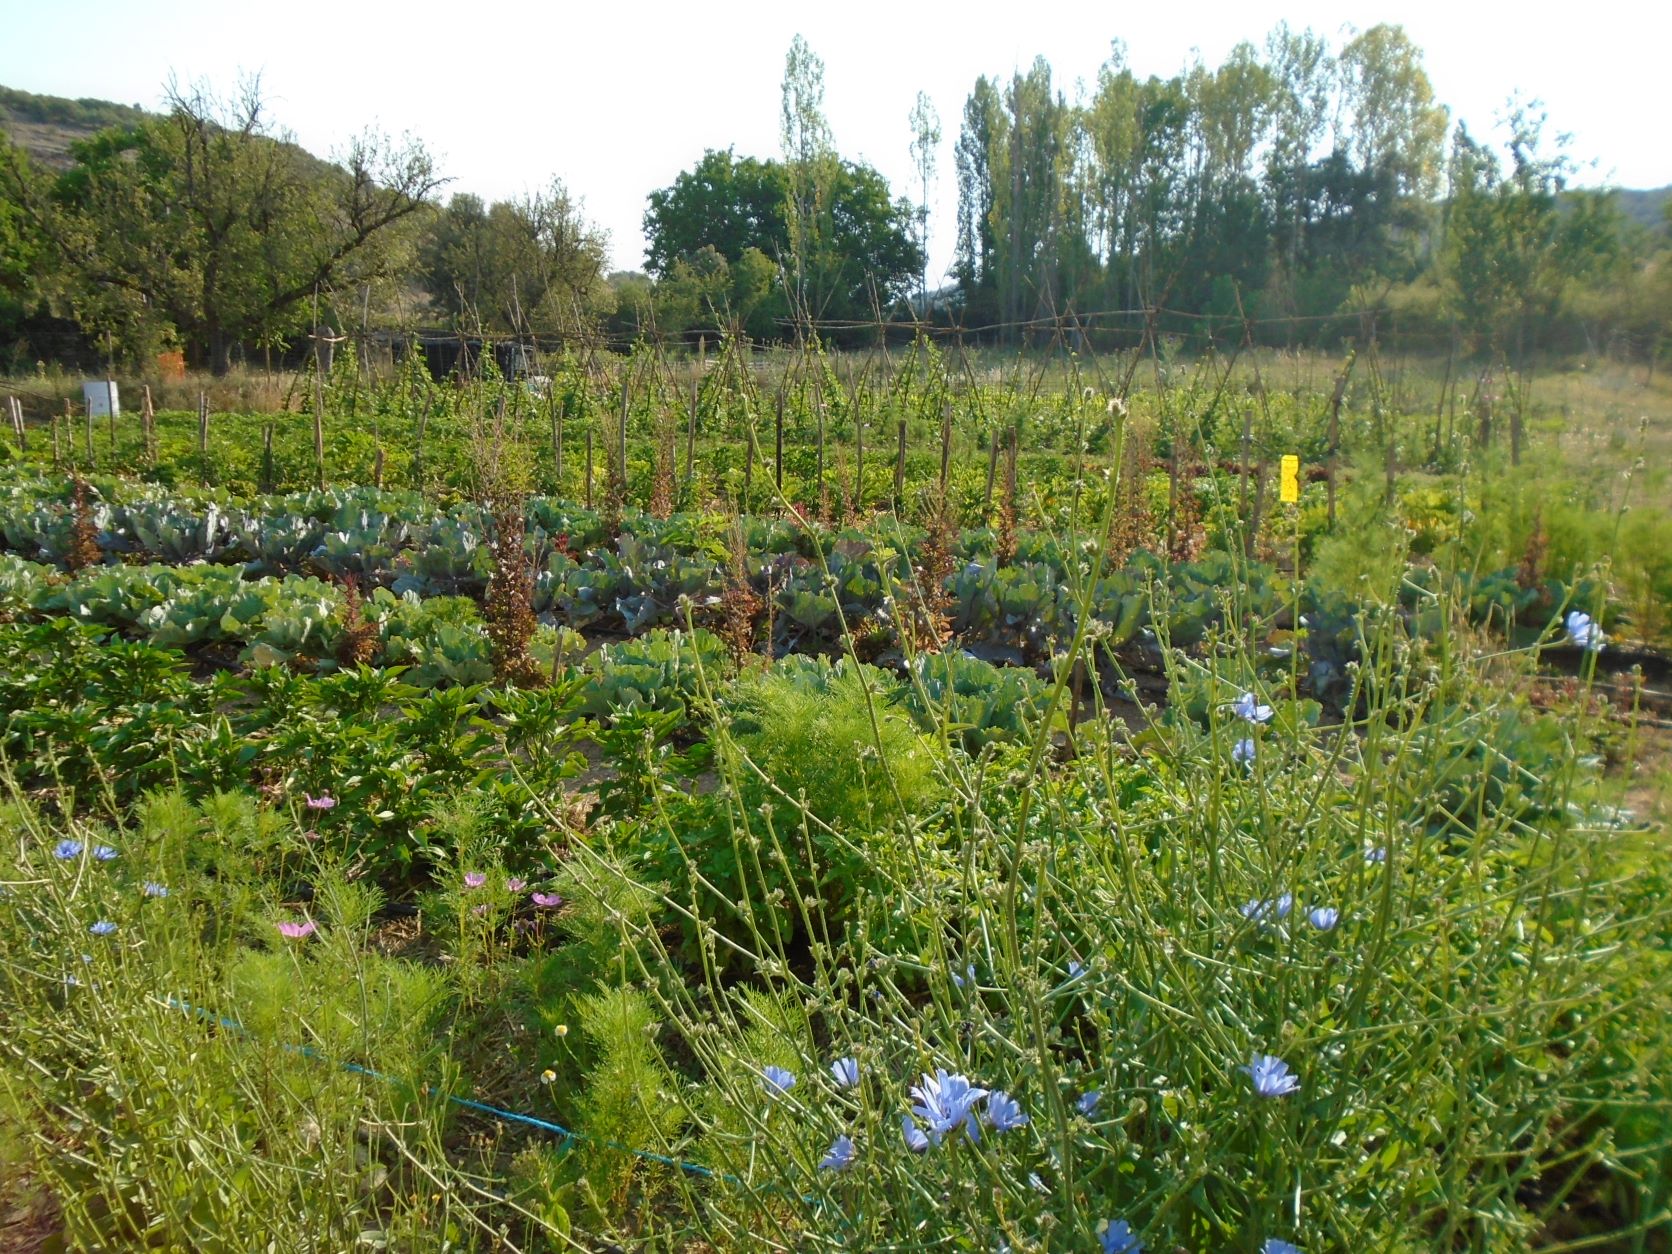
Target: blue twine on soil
{"points": [[565, 1135]]}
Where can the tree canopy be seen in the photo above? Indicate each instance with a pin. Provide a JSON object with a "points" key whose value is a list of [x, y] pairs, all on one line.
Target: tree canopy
{"points": [[208, 228], [529, 265], [861, 247]]}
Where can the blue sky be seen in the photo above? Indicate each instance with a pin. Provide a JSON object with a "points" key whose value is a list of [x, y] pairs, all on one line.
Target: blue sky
{"points": [[617, 99]]}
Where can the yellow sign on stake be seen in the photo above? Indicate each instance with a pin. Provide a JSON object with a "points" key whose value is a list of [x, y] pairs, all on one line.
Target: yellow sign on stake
{"points": [[1288, 490]]}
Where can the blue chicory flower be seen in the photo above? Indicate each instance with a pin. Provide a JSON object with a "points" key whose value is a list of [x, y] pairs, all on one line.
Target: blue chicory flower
{"points": [[967, 976], [839, 1156], [1267, 911], [104, 853], [1376, 853], [1583, 631], [104, 927], [1274, 1246], [944, 1101], [777, 1081], [1004, 1113], [1323, 917], [1271, 1076], [153, 889], [1243, 752], [846, 1072], [67, 849], [1117, 1237], [1248, 708], [916, 1141], [1087, 1104]]}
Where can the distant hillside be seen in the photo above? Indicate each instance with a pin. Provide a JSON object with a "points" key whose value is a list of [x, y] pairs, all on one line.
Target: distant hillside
{"points": [[46, 126], [1645, 207]]}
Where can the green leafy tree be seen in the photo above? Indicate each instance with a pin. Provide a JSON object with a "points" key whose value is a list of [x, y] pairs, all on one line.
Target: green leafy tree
{"points": [[735, 210], [979, 156], [925, 139], [209, 226], [809, 162], [22, 248], [1517, 242], [726, 202], [527, 265]]}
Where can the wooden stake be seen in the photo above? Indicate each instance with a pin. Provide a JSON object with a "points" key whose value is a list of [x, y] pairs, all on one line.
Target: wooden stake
{"points": [[148, 426], [820, 480], [319, 428], [203, 422], [859, 451], [992, 470], [557, 442], [1335, 429], [267, 475], [778, 443], [696, 396], [946, 446], [626, 410], [589, 470], [748, 471], [900, 469]]}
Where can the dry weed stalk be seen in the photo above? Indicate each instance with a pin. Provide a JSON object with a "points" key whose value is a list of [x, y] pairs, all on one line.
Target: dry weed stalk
{"points": [[507, 606], [741, 607], [357, 645], [83, 549]]}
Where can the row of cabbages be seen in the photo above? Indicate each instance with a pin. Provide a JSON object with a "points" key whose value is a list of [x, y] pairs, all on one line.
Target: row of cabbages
{"points": [[644, 575]]}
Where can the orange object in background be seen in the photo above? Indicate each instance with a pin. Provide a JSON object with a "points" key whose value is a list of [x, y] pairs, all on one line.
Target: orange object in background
{"points": [[171, 365]]}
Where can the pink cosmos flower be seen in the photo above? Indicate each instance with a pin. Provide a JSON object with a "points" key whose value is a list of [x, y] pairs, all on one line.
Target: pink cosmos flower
{"points": [[325, 801], [296, 931], [516, 885], [547, 901], [474, 879]]}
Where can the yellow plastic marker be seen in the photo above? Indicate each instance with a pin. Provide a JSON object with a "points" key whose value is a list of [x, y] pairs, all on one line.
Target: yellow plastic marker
{"points": [[1289, 488]]}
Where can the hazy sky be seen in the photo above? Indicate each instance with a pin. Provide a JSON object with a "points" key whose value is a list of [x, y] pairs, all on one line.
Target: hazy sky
{"points": [[617, 99]]}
